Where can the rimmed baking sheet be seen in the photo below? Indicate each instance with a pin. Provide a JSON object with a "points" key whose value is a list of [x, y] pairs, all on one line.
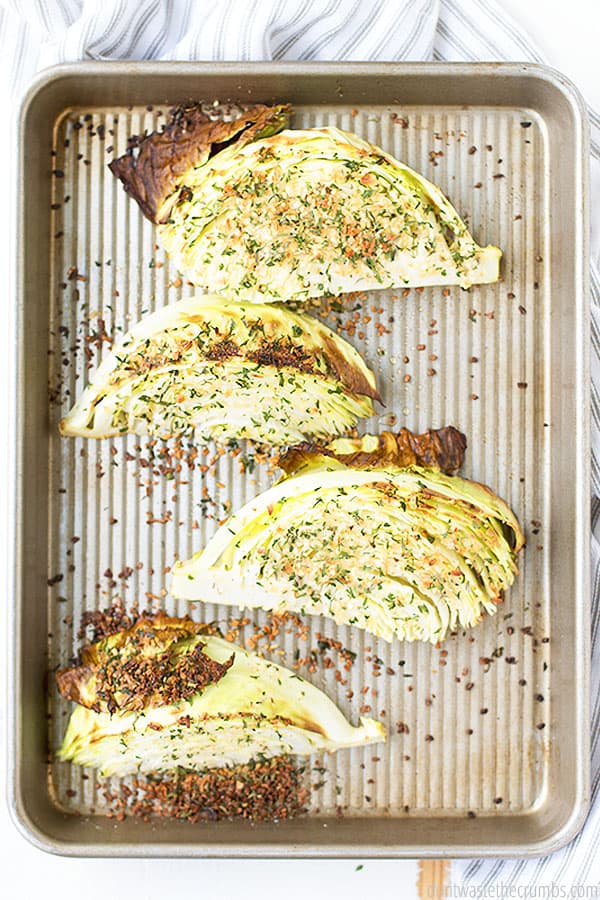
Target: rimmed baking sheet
{"points": [[487, 733]]}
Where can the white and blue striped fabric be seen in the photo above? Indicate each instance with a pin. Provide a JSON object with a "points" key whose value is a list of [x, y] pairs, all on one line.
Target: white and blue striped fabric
{"points": [[38, 33]]}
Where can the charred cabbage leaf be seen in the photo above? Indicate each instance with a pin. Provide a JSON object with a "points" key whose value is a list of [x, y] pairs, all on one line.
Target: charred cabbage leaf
{"points": [[441, 448], [158, 660], [403, 552], [154, 167], [249, 708], [303, 213], [226, 370]]}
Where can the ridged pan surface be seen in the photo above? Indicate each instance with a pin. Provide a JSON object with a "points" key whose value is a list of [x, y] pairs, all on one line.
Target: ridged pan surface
{"points": [[467, 721]]}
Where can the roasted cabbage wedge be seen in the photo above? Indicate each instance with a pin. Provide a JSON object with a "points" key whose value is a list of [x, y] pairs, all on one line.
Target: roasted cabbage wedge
{"points": [[167, 695], [301, 213], [226, 371], [405, 552]]}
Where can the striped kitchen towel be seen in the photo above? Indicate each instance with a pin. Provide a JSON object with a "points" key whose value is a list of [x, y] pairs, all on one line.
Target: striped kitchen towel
{"points": [[38, 33]]}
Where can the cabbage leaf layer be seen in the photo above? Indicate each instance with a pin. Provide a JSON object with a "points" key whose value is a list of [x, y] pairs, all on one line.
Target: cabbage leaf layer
{"points": [[403, 552], [226, 371]]}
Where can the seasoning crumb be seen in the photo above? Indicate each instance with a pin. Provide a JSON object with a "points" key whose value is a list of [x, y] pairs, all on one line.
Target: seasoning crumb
{"points": [[269, 790]]}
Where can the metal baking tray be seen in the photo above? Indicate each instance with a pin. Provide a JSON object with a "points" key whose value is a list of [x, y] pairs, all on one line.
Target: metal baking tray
{"points": [[506, 704]]}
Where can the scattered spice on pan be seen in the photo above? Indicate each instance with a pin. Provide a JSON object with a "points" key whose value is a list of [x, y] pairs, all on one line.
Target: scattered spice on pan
{"points": [[325, 644], [271, 629], [169, 459], [73, 274], [104, 622], [263, 791]]}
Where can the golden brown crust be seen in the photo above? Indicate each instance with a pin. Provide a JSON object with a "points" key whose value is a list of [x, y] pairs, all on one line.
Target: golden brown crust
{"points": [[280, 352], [72, 682], [145, 665], [153, 167], [442, 448], [352, 378]]}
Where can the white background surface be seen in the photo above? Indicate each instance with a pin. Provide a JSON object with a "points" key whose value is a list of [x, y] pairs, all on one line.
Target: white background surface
{"points": [[567, 33]]}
